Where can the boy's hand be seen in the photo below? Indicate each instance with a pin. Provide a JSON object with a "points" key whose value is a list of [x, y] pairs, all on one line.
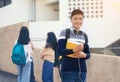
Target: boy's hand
{"points": [[79, 55], [78, 48]]}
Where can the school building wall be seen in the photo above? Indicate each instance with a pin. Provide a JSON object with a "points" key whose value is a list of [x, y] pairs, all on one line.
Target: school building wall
{"points": [[16, 12], [101, 22], [101, 68]]}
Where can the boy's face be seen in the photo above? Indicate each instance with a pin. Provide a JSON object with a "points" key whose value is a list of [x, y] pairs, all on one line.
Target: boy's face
{"points": [[77, 21]]}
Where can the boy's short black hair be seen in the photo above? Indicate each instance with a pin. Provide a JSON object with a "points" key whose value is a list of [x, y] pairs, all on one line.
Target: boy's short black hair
{"points": [[77, 11]]}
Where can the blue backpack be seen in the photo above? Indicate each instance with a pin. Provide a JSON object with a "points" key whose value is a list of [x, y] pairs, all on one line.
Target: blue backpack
{"points": [[18, 55]]}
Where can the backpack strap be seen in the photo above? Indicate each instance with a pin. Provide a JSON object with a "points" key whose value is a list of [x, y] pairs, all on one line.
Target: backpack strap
{"points": [[86, 38], [67, 35]]}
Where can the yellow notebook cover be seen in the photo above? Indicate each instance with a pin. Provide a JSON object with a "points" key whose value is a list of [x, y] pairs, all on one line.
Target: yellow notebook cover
{"points": [[71, 44]]}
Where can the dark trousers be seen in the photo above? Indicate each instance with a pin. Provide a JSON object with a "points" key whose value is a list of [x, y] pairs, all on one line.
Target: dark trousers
{"points": [[73, 77], [32, 78]]}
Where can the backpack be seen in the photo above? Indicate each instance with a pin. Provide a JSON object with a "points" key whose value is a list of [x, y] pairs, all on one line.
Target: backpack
{"points": [[18, 54], [58, 57]]}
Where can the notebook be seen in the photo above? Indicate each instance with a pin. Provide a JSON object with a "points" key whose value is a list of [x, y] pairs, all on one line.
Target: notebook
{"points": [[72, 43]]}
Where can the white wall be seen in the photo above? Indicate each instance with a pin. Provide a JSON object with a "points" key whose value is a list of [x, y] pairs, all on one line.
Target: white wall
{"points": [[105, 30], [101, 31], [45, 11], [39, 30], [14, 13]]}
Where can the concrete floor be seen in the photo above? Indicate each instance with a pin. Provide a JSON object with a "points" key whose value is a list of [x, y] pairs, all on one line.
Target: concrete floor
{"points": [[7, 77]]}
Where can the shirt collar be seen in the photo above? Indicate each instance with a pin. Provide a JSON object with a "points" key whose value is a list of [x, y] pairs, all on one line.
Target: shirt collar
{"points": [[74, 31]]}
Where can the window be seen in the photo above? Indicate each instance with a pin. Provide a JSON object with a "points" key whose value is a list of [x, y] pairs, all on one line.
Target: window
{"points": [[4, 3]]}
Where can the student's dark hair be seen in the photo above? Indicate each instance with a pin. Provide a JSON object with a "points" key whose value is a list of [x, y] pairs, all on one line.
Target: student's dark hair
{"points": [[51, 40], [23, 36], [77, 11]]}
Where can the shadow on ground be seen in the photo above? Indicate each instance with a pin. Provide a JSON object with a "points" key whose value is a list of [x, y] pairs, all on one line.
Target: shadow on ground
{"points": [[7, 77]]}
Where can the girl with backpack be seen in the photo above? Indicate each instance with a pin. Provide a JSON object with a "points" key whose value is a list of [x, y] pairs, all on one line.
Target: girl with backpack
{"points": [[26, 72]]}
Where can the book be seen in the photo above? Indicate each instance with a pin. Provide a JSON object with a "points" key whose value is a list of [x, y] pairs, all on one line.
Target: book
{"points": [[72, 43]]}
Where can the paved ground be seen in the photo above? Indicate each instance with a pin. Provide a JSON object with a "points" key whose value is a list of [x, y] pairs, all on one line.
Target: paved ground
{"points": [[7, 77]]}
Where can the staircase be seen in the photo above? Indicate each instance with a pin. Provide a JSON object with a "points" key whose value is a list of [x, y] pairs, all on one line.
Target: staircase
{"points": [[115, 47], [112, 49]]}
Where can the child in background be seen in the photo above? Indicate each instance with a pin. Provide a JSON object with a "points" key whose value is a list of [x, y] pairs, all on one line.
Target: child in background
{"points": [[48, 55]]}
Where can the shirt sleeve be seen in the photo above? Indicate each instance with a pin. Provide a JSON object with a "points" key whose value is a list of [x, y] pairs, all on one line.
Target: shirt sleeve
{"points": [[61, 47]]}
